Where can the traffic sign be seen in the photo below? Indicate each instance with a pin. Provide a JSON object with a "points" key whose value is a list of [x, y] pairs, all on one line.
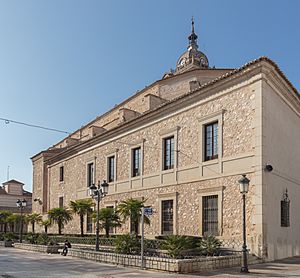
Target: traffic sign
{"points": [[148, 211]]}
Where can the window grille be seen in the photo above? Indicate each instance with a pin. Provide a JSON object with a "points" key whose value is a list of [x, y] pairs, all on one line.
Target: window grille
{"points": [[285, 210], [167, 217], [211, 141], [89, 221], [210, 215], [168, 153], [132, 226]]}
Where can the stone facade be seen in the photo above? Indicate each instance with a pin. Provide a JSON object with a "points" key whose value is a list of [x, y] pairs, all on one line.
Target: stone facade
{"points": [[10, 192], [181, 105]]}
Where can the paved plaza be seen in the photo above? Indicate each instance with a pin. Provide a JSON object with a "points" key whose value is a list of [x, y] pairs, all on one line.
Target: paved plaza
{"points": [[16, 263]]}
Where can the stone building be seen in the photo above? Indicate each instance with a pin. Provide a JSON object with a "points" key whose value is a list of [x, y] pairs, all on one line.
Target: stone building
{"points": [[10, 192], [182, 144]]}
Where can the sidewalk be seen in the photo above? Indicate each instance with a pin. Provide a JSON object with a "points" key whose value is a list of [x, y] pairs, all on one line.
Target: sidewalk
{"points": [[284, 268], [16, 263]]}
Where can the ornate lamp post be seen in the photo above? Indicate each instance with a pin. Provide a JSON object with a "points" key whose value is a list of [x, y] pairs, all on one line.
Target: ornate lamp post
{"points": [[244, 187], [98, 192], [21, 205]]}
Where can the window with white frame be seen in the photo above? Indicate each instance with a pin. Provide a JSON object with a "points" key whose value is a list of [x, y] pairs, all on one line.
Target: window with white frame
{"points": [[168, 153], [111, 168], [211, 141], [136, 162]]}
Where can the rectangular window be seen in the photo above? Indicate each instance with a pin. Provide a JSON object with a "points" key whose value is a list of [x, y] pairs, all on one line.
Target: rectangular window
{"points": [[111, 168], [111, 229], [132, 228], [285, 213], [90, 174], [136, 162], [61, 173], [61, 202], [210, 215], [211, 141], [167, 217], [89, 221], [168, 153]]}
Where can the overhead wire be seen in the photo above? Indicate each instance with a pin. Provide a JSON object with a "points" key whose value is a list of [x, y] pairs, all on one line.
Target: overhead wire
{"points": [[8, 121]]}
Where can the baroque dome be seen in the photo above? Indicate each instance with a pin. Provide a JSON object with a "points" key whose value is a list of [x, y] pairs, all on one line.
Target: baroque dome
{"points": [[192, 58]]}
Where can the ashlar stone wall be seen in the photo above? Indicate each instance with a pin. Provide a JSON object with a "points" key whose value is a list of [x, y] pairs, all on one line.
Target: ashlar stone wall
{"points": [[237, 147]]}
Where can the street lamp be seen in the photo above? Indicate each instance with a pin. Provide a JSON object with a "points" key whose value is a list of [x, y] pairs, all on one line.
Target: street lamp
{"points": [[244, 187], [21, 205], [98, 193]]}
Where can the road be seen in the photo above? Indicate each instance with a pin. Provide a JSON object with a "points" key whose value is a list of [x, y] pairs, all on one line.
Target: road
{"points": [[15, 263]]}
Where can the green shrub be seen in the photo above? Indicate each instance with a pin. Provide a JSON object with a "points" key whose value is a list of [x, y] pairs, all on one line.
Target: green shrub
{"points": [[177, 245], [43, 239], [1, 236], [31, 237], [9, 236], [127, 244], [209, 245]]}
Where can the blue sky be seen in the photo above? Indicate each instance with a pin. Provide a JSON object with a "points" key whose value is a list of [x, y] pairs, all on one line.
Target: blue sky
{"points": [[64, 62]]}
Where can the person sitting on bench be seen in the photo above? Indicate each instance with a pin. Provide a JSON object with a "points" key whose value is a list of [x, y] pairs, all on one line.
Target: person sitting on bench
{"points": [[65, 250]]}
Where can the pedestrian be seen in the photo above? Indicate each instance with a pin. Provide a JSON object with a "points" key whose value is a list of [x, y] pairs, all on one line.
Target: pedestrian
{"points": [[66, 247]]}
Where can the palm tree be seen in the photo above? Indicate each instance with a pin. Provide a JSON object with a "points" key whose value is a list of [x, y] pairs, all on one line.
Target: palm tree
{"points": [[4, 214], [33, 218], [46, 223], [81, 207], [132, 209], [108, 219], [12, 220], [60, 216]]}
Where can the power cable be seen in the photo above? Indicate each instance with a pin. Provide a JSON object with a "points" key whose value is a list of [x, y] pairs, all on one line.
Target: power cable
{"points": [[8, 121]]}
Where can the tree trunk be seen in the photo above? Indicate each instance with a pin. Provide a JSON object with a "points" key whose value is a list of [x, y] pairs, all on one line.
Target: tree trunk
{"points": [[136, 228], [46, 229], [5, 228], [32, 227], [81, 225], [59, 228], [107, 227]]}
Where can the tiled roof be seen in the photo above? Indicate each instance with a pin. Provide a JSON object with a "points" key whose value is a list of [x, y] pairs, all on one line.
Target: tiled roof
{"points": [[230, 73], [26, 193], [12, 181], [198, 90]]}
